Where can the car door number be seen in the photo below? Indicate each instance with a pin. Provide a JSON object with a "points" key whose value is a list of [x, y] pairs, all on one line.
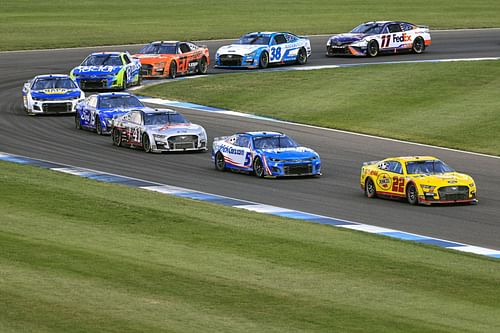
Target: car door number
{"points": [[275, 53], [398, 184]]}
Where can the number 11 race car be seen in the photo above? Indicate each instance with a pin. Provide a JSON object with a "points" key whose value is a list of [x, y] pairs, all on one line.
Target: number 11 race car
{"points": [[419, 179], [372, 38]]}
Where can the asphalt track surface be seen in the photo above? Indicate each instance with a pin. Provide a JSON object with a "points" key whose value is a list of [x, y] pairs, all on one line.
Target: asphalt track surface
{"points": [[336, 193]]}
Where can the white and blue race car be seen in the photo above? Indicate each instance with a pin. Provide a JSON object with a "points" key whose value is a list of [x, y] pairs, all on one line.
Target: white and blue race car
{"points": [[265, 154], [51, 93], [108, 70], [259, 49]]}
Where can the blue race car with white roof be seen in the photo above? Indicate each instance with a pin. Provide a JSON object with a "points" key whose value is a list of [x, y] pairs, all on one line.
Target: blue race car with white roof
{"points": [[259, 49], [108, 70], [96, 112], [51, 93], [266, 154]]}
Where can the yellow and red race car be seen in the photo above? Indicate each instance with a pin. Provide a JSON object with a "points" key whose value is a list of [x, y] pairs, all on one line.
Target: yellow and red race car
{"points": [[419, 179], [167, 59]]}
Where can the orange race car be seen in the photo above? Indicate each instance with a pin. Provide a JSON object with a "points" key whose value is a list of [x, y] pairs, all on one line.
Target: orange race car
{"points": [[167, 59]]}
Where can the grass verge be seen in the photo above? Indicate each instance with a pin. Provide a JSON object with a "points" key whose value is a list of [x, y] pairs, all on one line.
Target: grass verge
{"points": [[29, 24], [82, 256], [446, 104]]}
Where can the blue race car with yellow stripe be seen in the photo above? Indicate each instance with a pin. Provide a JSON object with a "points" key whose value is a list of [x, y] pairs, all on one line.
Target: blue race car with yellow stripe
{"points": [[51, 93], [108, 71], [265, 154]]}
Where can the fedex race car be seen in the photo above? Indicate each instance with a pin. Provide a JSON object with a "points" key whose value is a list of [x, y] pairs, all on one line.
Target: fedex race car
{"points": [[169, 59], [259, 49], [419, 179], [266, 154], [373, 38], [52, 93], [107, 70], [158, 130], [96, 112]]}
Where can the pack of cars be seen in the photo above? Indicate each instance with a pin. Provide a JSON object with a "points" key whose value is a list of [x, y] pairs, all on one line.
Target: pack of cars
{"points": [[418, 179]]}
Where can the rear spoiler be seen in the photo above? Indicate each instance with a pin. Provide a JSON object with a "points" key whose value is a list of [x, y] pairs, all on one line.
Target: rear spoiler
{"points": [[370, 163], [221, 138], [423, 27]]}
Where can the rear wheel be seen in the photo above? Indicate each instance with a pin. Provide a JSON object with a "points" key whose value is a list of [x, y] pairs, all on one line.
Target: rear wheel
{"points": [[372, 48], [117, 137], [220, 163], [124, 84], [78, 125], [302, 57], [411, 194], [146, 144], [202, 66], [418, 45], [172, 70], [264, 60], [258, 168], [370, 190]]}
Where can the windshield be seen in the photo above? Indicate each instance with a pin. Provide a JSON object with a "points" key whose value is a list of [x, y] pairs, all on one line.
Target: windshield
{"points": [[272, 142], [427, 167], [52, 83], [368, 28], [254, 39], [164, 118], [113, 102], [158, 49], [102, 60]]}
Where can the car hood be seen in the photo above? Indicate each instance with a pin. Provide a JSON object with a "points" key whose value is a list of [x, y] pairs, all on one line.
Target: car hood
{"points": [[347, 38], [444, 179], [298, 153], [56, 93], [97, 70], [170, 129], [239, 49], [153, 58]]}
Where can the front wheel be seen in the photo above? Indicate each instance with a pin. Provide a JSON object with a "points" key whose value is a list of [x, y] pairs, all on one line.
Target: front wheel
{"points": [[411, 194], [302, 57], [370, 190], [372, 48], [124, 84], [264, 60], [98, 126], [172, 70], [78, 125], [146, 144], [418, 46], [117, 137], [258, 168], [220, 163], [202, 66]]}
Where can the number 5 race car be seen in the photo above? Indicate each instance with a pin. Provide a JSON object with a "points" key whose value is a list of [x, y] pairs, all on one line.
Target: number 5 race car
{"points": [[169, 59], [107, 70], [419, 179], [51, 93], [372, 38], [266, 154], [259, 49]]}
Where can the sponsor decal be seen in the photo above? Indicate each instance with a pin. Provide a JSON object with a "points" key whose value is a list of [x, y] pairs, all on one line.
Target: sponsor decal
{"points": [[231, 150], [55, 91], [401, 39], [384, 181]]}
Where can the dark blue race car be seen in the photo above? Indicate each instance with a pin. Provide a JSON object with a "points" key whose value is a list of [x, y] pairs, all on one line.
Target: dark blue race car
{"points": [[96, 112]]}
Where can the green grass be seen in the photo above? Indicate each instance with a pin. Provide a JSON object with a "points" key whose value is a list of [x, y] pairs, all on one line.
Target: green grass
{"points": [[447, 104], [29, 24], [82, 256]]}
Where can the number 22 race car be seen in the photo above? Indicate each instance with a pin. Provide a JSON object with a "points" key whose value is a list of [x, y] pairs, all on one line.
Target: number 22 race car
{"points": [[419, 179]]}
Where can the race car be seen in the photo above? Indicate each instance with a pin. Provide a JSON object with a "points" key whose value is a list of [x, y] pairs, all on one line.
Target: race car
{"points": [[51, 93], [96, 112], [419, 179], [259, 49], [169, 59], [265, 154], [158, 130], [373, 38], [107, 70]]}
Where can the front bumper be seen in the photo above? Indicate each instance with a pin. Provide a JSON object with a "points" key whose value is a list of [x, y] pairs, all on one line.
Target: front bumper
{"points": [[292, 169], [236, 61], [345, 50], [98, 83], [53, 106], [185, 142], [449, 194]]}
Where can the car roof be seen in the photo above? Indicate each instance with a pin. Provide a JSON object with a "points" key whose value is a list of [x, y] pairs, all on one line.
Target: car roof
{"points": [[166, 42], [412, 158], [48, 76], [107, 53], [263, 133], [158, 111], [106, 94]]}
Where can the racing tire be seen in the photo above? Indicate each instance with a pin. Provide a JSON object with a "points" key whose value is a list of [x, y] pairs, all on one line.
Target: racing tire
{"points": [[220, 163], [418, 45], [139, 80], [98, 126], [370, 189], [146, 144], [124, 84], [116, 135], [202, 66], [302, 57], [258, 167], [411, 194], [263, 60], [372, 48], [172, 70], [78, 124]]}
